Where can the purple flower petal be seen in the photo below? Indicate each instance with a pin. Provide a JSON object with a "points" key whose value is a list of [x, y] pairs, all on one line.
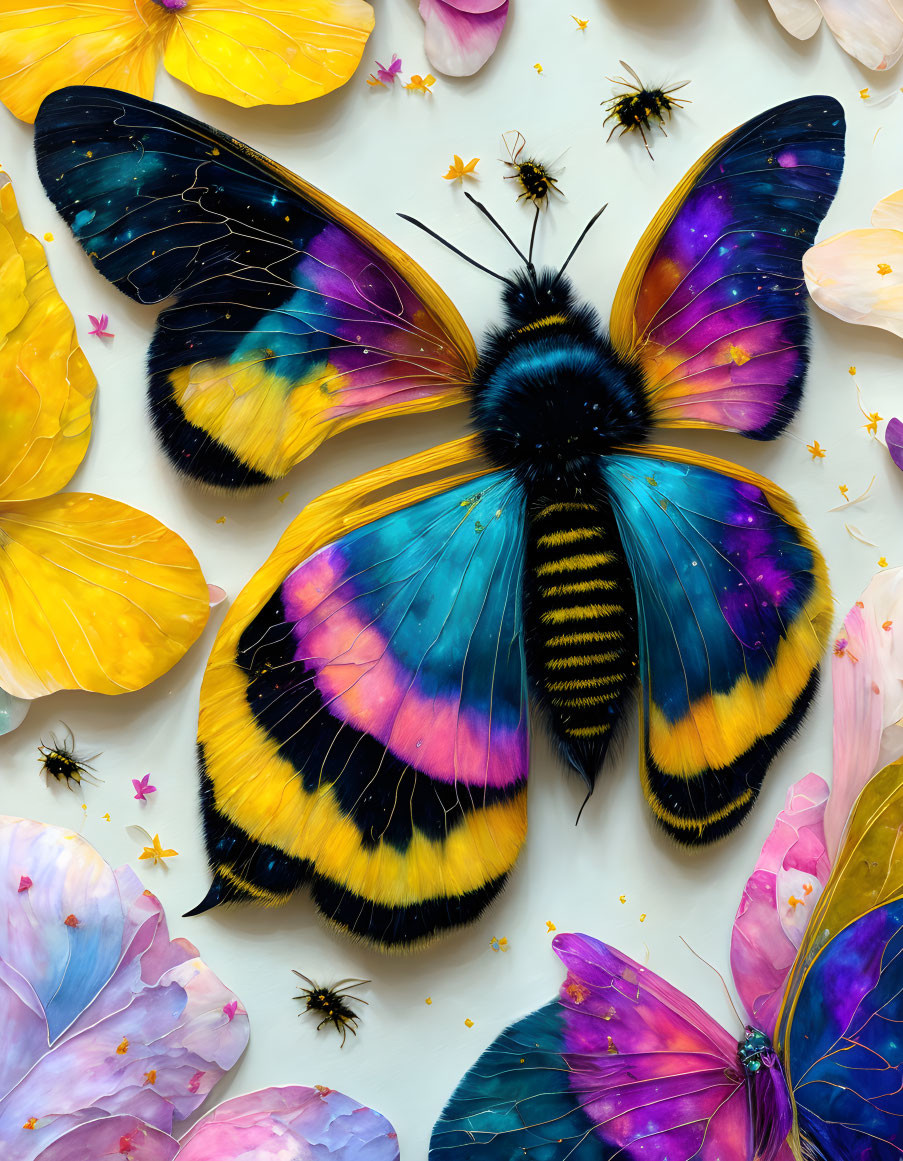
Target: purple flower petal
{"points": [[107, 1014], [893, 437], [461, 35], [266, 1124], [114, 1137]]}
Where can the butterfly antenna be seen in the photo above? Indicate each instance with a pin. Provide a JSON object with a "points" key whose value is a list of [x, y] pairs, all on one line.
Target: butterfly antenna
{"points": [[533, 237], [589, 225], [501, 229], [455, 250], [727, 990]]}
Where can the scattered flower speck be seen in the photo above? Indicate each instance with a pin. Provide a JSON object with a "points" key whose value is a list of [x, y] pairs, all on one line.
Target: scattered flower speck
{"points": [[816, 450], [458, 170]]}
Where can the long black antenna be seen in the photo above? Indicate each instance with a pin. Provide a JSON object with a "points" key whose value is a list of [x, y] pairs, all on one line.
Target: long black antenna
{"points": [[533, 236], [589, 225], [455, 250], [501, 229]]}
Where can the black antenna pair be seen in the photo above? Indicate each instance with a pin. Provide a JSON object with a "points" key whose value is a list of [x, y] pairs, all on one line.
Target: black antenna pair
{"points": [[527, 259]]}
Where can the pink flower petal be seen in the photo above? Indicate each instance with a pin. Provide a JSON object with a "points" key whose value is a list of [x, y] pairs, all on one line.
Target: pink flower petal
{"points": [[112, 1137], [461, 35], [278, 1123]]}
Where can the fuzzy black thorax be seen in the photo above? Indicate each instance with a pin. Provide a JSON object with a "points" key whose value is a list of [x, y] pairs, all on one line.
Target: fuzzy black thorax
{"points": [[550, 393]]}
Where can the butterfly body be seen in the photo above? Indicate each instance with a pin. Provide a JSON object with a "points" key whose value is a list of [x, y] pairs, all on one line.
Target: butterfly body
{"points": [[550, 398]]}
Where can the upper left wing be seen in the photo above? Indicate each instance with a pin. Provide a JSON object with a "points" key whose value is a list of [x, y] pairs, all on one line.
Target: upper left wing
{"points": [[363, 723], [293, 319], [713, 303], [734, 612]]}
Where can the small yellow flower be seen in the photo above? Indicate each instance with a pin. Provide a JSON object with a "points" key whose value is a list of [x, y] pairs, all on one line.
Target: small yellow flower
{"points": [[31, 1123], [816, 450], [538, 68], [468, 1023], [428, 1000], [123, 1048], [157, 853], [882, 563], [852, 370], [457, 171], [884, 268], [581, 24], [843, 489], [419, 84], [623, 898], [498, 944], [151, 1077], [106, 817], [864, 94], [48, 237], [873, 420], [550, 926]]}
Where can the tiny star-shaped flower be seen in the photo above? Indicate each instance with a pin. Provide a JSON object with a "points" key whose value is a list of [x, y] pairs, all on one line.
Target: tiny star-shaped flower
{"points": [[550, 926], [457, 171], [419, 84], [873, 420], [882, 563], [581, 24], [99, 326], [106, 817], [816, 450], [156, 851], [385, 76], [864, 94], [843, 489], [143, 788]]}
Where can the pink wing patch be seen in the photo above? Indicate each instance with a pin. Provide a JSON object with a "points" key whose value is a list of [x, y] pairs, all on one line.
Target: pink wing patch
{"points": [[657, 1076]]}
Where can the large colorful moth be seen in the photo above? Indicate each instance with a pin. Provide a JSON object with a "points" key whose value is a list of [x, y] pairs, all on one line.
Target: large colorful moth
{"points": [[364, 715], [623, 1065]]}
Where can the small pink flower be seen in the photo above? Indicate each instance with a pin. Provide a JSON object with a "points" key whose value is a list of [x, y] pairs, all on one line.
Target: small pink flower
{"points": [[143, 788], [386, 76], [99, 326], [230, 1009], [195, 1083], [24, 883]]}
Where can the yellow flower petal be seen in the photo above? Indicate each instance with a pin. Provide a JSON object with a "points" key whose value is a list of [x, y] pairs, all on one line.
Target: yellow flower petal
{"points": [[267, 52], [98, 596], [116, 43], [46, 385]]}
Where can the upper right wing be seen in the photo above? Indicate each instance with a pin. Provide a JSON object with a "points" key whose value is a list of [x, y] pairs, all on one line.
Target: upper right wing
{"points": [[363, 723]]}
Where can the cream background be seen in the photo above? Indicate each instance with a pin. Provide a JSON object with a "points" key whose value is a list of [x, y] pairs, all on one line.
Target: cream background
{"points": [[379, 152]]}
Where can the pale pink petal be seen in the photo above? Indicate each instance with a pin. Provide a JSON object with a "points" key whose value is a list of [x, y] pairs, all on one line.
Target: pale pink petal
{"points": [[461, 35], [858, 277], [868, 696], [779, 896], [217, 595], [114, 1137], [869, 30], [801, 18], [888, 213], [291, 1124]]}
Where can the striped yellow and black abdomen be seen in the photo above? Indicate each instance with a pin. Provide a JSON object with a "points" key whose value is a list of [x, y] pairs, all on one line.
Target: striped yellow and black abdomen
{"points": [[580, 614]]}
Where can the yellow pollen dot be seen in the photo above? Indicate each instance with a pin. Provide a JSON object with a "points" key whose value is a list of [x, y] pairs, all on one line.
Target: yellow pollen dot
{"points": [[882, 563], [887, 626], [816, 450], [623, 898], [643, 917], [468, 1023], [123, 1047], [538, 67], [884, 268], [151, 1077], [739, 356], [221, 519], [30, 1123], [550, 926], [106, 817], [864, 94], [852, 370], [48, 237], [428, 1000]]}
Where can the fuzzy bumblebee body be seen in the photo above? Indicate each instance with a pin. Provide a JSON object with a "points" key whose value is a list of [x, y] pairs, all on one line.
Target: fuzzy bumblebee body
{"points": [[332, 1004], [59, 761], [639, 109], [364, 725]]}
